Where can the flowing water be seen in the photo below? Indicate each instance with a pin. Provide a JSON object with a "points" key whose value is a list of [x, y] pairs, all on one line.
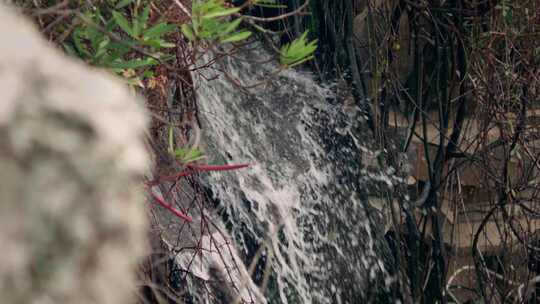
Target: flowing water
{"points": [[299, 210]]}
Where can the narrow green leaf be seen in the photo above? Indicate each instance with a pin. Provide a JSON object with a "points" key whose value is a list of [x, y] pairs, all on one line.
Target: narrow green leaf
{"points": [[102, 47], [237, 37], [94, 35], [79, 45], [140, 21], [298, 51], [171, 140], [123, 23], [136, 29], [231, 26], [143, 19], [189, 155], [192, 159], [221, 13], [110, 25], [159, 30], [165, 44], [188, 32], [116, 51], [158, 43], [180, 152], [301, 61], [269, 4], [123, 3], [259, 28], [133, 64], [193, 153], [195, 25], [147, 74]]}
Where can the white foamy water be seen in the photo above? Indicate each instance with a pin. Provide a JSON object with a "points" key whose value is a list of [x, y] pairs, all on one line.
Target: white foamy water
{"points": [[302, 193]]}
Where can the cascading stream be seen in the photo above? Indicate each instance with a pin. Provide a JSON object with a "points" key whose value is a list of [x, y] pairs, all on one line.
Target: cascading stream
{"points": [[302, 194]]}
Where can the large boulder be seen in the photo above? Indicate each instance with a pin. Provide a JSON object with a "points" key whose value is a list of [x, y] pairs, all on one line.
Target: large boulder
{"points": [[72, 220]]}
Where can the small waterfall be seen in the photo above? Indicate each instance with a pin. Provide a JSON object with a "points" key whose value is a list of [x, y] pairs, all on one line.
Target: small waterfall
{"points": [[303, 195]]}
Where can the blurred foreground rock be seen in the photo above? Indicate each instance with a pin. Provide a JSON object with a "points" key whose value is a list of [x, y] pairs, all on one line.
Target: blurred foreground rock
{"points": [[71, 152]]}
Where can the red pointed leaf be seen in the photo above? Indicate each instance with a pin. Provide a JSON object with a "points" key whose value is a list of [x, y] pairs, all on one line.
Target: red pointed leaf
{"points": [[169, 207], [216, 167]]}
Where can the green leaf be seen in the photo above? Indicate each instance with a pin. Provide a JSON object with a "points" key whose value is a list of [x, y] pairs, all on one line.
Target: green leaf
{"points": [[94, 35], [180, 152], [236, 37], [79, 45], [269, 4], [123, 23], [116, 51], [143, 19], [123, 3], [186, 155], [188, 32], [194, 153], [221, 13], [165, 58], [147, 74], [133, 64], [231, 26], [301, 61], [102, 47], [298, 51], [165, 44], [159, 30], [171, 140], [192, 159], [140, 22], [158, 43], [195, 24], [259, 28], [110, 25]]}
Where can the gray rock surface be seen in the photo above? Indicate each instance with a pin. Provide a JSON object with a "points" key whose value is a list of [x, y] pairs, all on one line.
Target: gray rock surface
{"points": [[72, 221]]}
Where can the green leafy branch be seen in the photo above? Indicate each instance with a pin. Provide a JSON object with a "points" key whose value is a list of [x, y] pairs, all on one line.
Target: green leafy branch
{"points": [[212, 21], [209, 22], [298, 51], [93, 41]]}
